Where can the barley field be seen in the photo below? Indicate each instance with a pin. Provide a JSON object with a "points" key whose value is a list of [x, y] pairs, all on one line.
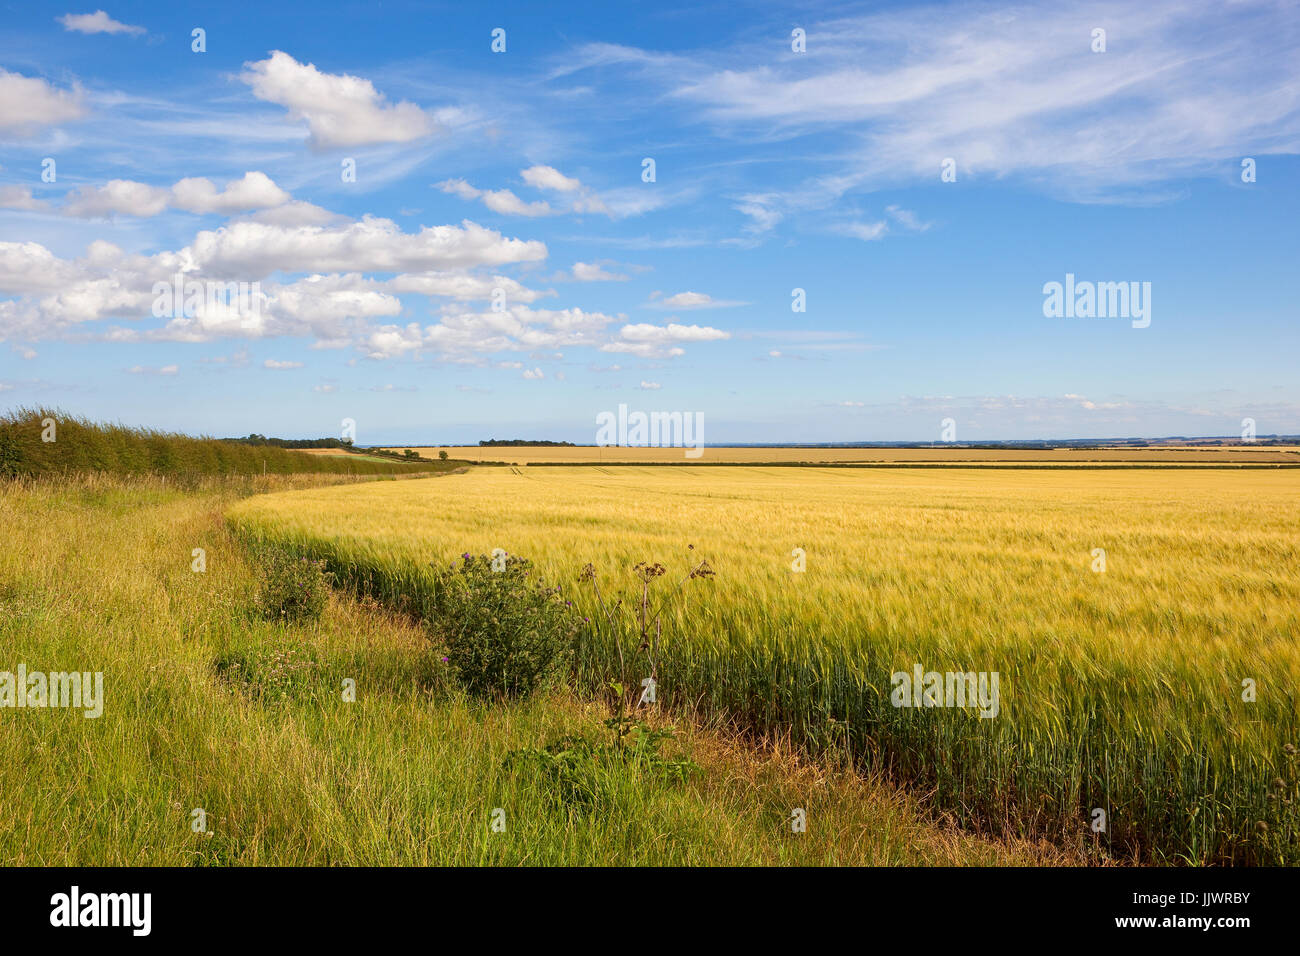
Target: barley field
{"points": [[1155, 682], [937, 455]]}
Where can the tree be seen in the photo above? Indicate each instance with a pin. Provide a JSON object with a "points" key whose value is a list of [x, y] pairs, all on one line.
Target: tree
{"points": [[443, 454]]}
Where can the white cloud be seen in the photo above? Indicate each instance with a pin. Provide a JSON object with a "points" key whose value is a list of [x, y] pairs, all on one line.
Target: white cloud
{"points": [[907, 219], [464, 286], [688, 301], [198, 195], [28, 103], [501, 201], [297, 212], [97, 22], [339, 109], [116, 196], [508, 204], [1012, 89], [593, 272], [459, 187], [548, 177], [616, 204], [249, 250], [760, 208], [644, 332], [692, 300], [29, 267], [19, 197], [145, 370], [661, 341], [255, 191], [278, 365], [650, 386], [866, 231], [534, 373], [465, 335]]}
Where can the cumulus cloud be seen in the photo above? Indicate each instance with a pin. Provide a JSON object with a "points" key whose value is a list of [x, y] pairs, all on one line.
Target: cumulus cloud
{"points": [[502, 201], [126, 197], [278, 365], [577, 198], [338, 108], [19, 197], [253, 249], [116, 196], [548, 177], [692, 300], [97, 22], [255, 191], [661, 341], [297, 212], [465, 286], [594, 272], [468, 335], [59, 298], [28, 103]]}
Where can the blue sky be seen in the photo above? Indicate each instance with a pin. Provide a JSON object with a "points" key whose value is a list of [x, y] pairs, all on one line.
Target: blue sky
{"points": [[522, 171]]}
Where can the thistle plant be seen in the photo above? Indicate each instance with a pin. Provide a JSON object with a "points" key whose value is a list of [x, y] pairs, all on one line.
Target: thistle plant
{"points": [[639, 624]]}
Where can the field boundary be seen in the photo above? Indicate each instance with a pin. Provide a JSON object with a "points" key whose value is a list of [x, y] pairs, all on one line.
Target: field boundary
{"points": [[968, 463]]}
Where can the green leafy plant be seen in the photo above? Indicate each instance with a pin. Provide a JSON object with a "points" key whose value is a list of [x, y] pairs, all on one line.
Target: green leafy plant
{"points": [[580, 772], [507, 633], [293, 590]]}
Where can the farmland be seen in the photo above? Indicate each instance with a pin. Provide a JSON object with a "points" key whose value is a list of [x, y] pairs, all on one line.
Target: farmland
{"points": [[209, 707], [1164, 455], [1142, 622]]}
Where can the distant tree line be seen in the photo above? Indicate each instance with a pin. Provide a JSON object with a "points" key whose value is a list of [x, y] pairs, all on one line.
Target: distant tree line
{"points": [[256, 439], [521, 443]]}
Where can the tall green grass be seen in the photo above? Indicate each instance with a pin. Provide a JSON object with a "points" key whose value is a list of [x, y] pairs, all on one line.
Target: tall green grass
{"points": [[79, 445], [95, 575]]}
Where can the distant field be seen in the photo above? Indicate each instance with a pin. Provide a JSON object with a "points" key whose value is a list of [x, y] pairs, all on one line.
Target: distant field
{"points": [[1121, 689], [1227, 454], [350, 455]]}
